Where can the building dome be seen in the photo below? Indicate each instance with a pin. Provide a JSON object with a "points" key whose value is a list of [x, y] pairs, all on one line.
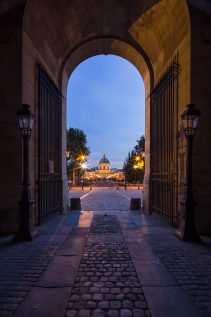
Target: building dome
{"points": [[104, 160]]}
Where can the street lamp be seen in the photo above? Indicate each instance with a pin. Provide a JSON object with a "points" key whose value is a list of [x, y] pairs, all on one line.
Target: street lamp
{"points": [[26, 231], [82, 158], [187, 230], [83, 166]]}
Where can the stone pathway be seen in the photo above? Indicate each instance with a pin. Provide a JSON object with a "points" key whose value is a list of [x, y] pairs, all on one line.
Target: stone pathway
{"points": [[22, 263], [190, 264], [20, 267], [119, 263], [106, 283]]}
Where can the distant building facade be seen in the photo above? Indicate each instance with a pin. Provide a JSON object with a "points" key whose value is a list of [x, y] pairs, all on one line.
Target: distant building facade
{"points": [[104, 172]]}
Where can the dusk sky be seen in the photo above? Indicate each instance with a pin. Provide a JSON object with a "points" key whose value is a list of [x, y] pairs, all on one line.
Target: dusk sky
{"points": [[105, 99]]}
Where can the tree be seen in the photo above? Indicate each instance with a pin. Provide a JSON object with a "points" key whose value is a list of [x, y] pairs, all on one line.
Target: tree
{"points": [[133, 166], [78, 152]]}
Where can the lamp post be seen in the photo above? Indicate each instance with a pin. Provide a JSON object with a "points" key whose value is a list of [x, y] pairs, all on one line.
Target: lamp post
{"points": [[187, 230], [26, 230], [83, 166]]}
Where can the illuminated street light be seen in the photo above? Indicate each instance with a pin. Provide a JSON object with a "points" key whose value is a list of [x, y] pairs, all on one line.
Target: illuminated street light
{"points": [[26, 230], [83, 166], [82, 158], [187, 230]]}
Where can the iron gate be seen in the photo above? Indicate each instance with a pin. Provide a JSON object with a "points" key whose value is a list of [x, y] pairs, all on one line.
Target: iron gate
{"points": [[164, 121], [49, 147]]}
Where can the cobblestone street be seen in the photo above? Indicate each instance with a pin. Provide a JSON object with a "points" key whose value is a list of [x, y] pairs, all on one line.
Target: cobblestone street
{"points": [[105, 261], [107, 283]]}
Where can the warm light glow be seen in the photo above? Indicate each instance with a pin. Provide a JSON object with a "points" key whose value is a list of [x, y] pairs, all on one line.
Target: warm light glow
{"points": [[83, 165], [82, 158], [141, 164], [135, 166]]}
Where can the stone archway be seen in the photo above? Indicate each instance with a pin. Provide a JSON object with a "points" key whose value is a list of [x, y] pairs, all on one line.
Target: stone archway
{"points": [[134, 32], [60, 35]]}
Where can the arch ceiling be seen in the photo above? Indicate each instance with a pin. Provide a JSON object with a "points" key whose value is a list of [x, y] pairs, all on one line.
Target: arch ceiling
{"points": [[145, 32]]}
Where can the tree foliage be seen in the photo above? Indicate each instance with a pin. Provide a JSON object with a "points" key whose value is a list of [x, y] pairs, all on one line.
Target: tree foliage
{"points": [[77, 151], [133, 166]]}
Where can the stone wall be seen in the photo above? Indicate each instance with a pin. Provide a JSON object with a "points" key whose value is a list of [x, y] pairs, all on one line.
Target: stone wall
{"points": [[10, 101], [201, 96]]}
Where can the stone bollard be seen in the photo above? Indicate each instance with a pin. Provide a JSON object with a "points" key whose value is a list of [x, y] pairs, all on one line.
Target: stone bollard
{"points": [[135, 204], [75, 204]]}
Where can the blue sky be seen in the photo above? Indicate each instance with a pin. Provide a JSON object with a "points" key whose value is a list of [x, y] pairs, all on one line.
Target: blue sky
{"points": [[105, 99]]}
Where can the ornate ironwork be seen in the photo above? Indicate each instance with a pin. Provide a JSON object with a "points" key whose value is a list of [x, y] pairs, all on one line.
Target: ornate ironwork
{"points": [[49, 147], [164, 162]]}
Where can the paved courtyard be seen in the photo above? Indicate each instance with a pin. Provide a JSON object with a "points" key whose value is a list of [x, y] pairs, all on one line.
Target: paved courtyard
{"points": [[105, 261]]}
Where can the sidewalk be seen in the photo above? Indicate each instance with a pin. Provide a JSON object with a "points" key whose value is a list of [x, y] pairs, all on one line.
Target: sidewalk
{"points": [[127, 264]]}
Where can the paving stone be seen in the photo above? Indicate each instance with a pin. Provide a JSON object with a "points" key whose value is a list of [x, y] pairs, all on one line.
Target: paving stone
{"points": [[84, 313], [116, 304], [109, 297], [71, 313], [105, 290], [103, 304], [128, 304], [132, 297], [139, 313], [91, 304], [125, 313], [115, 290], [120, 296], [86, 297], [99, 313], [113, 313], [97, 297]]}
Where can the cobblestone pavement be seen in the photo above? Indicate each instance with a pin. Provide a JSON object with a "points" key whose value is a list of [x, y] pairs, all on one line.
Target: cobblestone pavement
{"points": [[104, 225], [20, 267], [106, 283], [131, 261], [21, 264], [190, 264]]}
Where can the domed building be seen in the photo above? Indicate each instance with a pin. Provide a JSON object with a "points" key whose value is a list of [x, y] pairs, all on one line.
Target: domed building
{"points": [[104, 168], [104, 163], [104, 172]]}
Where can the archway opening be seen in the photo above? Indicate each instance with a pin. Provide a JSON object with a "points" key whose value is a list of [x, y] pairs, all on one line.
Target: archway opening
{"points": [[106, 100]]}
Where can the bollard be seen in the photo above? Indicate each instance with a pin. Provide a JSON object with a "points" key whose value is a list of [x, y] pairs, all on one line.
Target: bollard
{"points": [[75, 204], [135, 204]]}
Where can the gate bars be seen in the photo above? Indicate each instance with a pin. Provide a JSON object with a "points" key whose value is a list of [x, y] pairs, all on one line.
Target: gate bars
{"points": [[49, 147], [164, 164]]}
